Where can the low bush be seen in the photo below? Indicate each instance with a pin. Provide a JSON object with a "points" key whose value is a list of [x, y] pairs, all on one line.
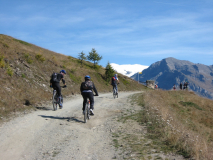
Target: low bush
{"points": [[40, 57], [2, 63]]}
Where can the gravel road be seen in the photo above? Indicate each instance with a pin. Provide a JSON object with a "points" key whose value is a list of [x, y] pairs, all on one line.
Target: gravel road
{"points": [[62, 134]]}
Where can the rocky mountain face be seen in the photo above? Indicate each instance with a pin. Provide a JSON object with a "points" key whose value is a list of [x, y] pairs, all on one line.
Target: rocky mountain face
{"points": [[170, 71]]}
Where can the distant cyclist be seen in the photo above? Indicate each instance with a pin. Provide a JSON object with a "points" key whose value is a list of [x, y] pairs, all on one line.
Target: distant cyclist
{"points": [[86, 91], [55, 84], [114, 82]]}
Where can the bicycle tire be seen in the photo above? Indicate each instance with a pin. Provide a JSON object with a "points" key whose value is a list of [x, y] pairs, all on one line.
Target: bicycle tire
{"points": [[54, 101], [114, 93], [85, 114], [61, 99], [88, 110]]}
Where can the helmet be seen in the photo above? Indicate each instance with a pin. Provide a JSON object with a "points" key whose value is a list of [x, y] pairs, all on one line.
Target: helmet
{"points": [[63, 71], [115, 75], [87, 77]]}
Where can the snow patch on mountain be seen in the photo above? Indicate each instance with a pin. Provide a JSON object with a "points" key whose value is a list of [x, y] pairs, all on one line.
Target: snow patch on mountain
{"points": [[128, 69]]}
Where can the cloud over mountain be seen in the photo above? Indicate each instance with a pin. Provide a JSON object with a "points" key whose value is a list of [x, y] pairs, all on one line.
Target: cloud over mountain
{"points": [[128, 69]]}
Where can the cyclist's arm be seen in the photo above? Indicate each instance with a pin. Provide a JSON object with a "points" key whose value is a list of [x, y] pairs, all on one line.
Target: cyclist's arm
{"points": [[118, 80], [81, 88], [63, 81], [95, 90], [50, 82]]}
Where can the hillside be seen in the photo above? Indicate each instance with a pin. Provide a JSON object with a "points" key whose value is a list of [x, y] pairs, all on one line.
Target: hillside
{"points": [[170, 71], [25, 71]]}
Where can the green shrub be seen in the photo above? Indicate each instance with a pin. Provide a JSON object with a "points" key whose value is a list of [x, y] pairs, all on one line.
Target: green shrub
{"points": [[40, 57], [5, 45], [190, 104], [2, 63], [9, 71], [74, 78], [28, 59], [125, 82]]}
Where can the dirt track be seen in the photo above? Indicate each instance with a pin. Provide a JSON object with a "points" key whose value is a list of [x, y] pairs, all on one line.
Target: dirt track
{"points": [[61, 134]]}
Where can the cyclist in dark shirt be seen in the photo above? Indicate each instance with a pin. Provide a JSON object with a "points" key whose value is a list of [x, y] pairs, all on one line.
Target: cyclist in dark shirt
{"points": [[56, 85], [88, 93]]}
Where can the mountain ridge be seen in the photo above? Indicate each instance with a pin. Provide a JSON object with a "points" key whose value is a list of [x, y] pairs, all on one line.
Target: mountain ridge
{"points": [[170, 71]]}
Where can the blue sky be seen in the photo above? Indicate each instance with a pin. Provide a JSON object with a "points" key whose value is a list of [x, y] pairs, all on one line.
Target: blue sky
{"points": [[122, 31]]}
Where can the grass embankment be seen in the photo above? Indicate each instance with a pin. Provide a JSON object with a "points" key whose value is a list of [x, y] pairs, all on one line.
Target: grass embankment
{"points": [[177, 121]]}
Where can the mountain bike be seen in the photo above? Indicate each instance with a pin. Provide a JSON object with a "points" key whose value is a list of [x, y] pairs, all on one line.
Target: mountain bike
{"points": [[55, 100], [115, 93], [87, 111]]}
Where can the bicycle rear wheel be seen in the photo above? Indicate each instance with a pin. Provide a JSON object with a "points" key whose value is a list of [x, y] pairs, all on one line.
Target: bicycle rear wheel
{"points": [[61, 99], [85, 114], [54, 101], [114, 93], [88, 110]]}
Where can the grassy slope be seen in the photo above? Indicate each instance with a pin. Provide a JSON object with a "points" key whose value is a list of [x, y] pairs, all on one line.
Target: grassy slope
{"points": [[179, 121], [25, 71]]}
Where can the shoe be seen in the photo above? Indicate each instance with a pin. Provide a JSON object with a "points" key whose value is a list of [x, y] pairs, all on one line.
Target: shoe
{"points": [[91, 112], [60, 106]]}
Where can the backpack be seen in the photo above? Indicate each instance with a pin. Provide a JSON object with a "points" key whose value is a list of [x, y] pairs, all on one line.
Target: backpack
{"points": [[113, 80], [87, 85], [54, 77]]}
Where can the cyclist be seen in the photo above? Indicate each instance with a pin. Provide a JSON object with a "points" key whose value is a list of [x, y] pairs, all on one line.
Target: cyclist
{"points": [[114, 82], [86, 91], [55, 84]]}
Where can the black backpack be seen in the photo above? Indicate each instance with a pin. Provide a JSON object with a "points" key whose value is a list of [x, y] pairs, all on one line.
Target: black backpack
{"points": [[87, 85], [54, 77]]}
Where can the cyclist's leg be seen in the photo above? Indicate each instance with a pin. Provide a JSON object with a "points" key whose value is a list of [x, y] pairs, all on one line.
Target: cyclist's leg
{"points": [[116, 87], [113, 87], [59, 92], [91, 98], [84, 94]]}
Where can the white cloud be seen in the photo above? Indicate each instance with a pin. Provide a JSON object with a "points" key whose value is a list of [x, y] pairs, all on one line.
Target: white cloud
{"points": [[128, 69]]}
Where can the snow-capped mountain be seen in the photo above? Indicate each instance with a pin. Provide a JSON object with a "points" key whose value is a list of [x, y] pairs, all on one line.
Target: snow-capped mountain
{"points": [[128, 69]]}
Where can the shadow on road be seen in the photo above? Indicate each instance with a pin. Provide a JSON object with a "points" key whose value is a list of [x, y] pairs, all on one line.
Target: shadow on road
{"points": [[63, 118], [43, 108]]}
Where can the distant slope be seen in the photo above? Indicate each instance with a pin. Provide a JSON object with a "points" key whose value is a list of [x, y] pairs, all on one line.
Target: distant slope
{"points": [[25, 71], [170, 71]]}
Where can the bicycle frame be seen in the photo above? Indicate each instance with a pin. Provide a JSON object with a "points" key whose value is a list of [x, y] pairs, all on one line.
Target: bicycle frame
{"points": [[55, 100]]}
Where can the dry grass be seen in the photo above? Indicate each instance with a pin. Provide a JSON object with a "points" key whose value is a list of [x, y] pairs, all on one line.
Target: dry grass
{"points": [[25, 71], [181, 120]]}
